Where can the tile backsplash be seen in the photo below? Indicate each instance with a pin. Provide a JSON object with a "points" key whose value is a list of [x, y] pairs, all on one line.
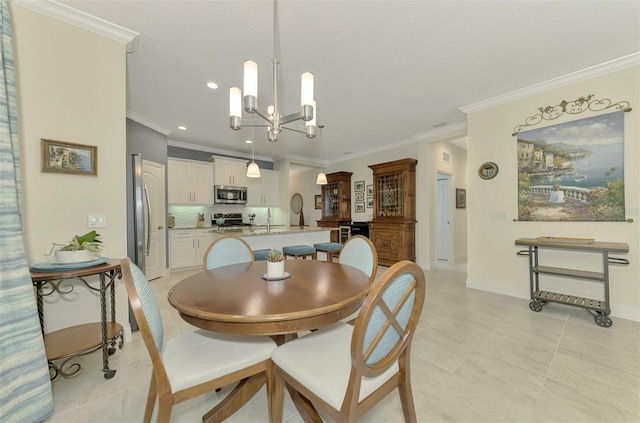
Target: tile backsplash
{"points": [[187, 216]]}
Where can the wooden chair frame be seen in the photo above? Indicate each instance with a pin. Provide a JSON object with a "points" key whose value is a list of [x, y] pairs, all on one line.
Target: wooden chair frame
{"points": [[374, 269], [351, 408], [224, 237], [160, 387]]}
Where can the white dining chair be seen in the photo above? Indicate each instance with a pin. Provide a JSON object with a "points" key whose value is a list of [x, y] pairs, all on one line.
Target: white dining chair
{"points": [[345, 370], [193, 363], [359, 252], [226, 250]]}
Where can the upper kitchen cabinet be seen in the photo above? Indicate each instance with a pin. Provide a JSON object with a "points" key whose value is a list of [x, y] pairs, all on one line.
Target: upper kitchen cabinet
{"points": [[230, 172], [265, 190], [190, 182]]}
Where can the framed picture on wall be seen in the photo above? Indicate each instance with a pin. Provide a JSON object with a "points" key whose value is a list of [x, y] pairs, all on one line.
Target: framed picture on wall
{"points": [[461, 198], [359, 196], [370, 190], [369, 202], [358, 186], [68, 157], [360, 207], [317, 201]]}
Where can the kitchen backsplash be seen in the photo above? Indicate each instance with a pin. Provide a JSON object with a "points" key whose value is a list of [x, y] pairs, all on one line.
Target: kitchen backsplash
{"points": [[187, 216]]}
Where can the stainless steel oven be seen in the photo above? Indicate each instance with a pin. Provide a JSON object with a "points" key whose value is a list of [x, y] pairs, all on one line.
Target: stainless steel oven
{"points": [[227, 194]]}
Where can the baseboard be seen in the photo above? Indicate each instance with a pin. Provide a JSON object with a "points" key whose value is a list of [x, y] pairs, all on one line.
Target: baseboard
{"points": [[622, 312]]}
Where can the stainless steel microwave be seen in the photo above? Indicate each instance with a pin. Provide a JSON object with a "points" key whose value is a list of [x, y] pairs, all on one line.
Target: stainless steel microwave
{"points": [[227, 194]]}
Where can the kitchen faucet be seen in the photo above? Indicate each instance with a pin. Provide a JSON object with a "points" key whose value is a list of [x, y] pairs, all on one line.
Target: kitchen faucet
{"points": [[268, 219]]}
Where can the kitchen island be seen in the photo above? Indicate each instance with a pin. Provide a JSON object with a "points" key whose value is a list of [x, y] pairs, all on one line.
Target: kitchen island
{"points": [[188, 245], [277, 236]]}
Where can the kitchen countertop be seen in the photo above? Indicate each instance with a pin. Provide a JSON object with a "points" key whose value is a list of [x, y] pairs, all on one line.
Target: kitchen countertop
{"points": [[260, 230]]}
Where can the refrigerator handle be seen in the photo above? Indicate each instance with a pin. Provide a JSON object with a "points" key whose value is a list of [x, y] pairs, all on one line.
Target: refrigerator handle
{"points": [[146, 196]]}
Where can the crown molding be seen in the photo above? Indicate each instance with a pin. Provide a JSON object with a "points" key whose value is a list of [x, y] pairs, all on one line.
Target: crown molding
{"points": [[581, 75], [219, 151], [83, 20], [452, 131], [147, 122]]}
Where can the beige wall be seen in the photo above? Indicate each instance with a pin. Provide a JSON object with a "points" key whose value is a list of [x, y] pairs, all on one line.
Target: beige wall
{"points": [[71, 87], [493, 264], [304, 182]]}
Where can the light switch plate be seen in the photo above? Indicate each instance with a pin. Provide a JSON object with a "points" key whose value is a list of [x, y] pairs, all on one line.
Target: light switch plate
{"points": [[96, 221]]}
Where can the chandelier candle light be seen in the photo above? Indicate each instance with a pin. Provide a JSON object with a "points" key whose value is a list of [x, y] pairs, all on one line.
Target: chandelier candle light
{"points": [[322, 177], [274, 121]]}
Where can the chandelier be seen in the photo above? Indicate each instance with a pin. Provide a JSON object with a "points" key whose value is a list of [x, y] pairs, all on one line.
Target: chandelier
{"points": [[272, 118]]}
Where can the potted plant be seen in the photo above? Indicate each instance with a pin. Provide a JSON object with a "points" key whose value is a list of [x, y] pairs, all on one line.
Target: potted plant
{"points": [[275, 264], [80, 248]]}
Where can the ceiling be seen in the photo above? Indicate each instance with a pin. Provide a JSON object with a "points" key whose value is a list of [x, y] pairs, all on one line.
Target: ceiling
{"points": [[385, 71]]}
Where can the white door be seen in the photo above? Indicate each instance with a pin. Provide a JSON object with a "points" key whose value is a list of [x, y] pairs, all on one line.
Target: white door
{"points": [[153, 178], [443, 217]]}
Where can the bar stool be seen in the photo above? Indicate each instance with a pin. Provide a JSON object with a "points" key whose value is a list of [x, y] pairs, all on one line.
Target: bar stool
{"points": [[303, 251], [261, 254], [331, 249]]}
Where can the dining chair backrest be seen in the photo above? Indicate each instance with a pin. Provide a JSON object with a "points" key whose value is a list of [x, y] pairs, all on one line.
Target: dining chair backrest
{"points": [[226, 250], [144, 305], [384, 329], [360, 253]]}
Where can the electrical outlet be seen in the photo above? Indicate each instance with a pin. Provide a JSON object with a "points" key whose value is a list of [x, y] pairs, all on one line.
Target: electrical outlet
{"points": [[96, 221]]}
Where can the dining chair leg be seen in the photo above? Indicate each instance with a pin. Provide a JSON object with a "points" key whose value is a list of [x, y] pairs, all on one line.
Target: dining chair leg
{"points": [[165, 406], [404, 388], [151, 399], [275, 394]]}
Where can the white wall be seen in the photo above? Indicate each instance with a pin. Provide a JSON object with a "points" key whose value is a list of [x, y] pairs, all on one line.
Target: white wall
{"points": [[71, 87], [304, 182], [493, 264]]}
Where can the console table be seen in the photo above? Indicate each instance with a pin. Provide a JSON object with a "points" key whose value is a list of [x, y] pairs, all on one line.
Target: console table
{"points": [[68, 343], [600, 309]]}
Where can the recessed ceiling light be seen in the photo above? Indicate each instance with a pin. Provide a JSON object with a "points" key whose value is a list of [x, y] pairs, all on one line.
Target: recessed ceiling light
{"points": [[249, 142], [212, 85], [182, 128]]}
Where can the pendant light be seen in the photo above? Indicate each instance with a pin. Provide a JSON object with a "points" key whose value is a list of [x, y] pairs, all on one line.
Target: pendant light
{"points": [[322, 178], [253, 171]]}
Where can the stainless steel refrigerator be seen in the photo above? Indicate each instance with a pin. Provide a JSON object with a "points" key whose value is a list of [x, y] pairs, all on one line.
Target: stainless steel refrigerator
{"points": [[138, 216]]}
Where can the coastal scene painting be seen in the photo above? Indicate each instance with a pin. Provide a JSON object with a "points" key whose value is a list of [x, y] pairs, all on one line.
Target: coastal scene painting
{"points": [[573, 171]]}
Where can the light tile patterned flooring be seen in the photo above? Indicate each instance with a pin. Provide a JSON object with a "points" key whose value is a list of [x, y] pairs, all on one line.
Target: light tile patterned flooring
{"points": [[476, 357]]}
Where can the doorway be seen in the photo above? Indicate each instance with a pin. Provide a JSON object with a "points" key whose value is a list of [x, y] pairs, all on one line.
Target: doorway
{"points": [[443, 217], [154, 180]]}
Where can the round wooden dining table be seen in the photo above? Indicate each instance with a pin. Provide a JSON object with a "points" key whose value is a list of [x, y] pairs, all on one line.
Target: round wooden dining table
{"points": [[236, 299]]}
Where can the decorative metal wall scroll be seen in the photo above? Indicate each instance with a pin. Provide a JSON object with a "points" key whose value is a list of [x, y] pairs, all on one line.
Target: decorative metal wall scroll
{"points": [[574, 107]]}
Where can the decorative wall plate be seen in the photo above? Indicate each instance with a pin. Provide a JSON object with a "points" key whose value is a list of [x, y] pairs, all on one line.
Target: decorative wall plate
{"points": [[488, 170]]}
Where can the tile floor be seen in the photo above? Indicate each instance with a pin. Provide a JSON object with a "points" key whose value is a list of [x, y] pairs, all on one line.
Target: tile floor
{"points": [[477, 357]]}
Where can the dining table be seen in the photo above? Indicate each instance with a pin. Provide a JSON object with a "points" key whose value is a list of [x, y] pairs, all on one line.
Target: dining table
{"points": [[240, 299]]}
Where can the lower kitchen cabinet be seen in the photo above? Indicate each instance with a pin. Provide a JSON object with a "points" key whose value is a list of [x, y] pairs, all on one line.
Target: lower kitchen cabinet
{"points": [[187, 247]]}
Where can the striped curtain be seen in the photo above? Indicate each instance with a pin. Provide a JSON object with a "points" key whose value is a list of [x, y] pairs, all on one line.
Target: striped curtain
{"points": [[25, 388]]}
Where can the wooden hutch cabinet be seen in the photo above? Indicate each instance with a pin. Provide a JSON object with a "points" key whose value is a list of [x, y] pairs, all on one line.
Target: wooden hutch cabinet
{"points": [[336, 203], [393, 227]]}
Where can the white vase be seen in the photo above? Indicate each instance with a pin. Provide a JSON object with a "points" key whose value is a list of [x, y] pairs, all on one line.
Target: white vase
{"points": [[275, 269], [73, 256]]}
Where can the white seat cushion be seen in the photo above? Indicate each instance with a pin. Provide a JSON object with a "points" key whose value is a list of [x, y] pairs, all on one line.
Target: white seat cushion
{"points": [[321, 361], [199, 356]]}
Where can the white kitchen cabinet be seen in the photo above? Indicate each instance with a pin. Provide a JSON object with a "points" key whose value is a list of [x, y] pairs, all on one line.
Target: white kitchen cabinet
{"points": [[230, 172], [187, 247], [182, 248], [265, 190], [190, 182], [204, 238]]}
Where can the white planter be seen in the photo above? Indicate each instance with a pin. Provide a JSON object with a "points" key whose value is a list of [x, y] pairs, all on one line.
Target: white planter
{"points": [[275, 269], [73, 256]]}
